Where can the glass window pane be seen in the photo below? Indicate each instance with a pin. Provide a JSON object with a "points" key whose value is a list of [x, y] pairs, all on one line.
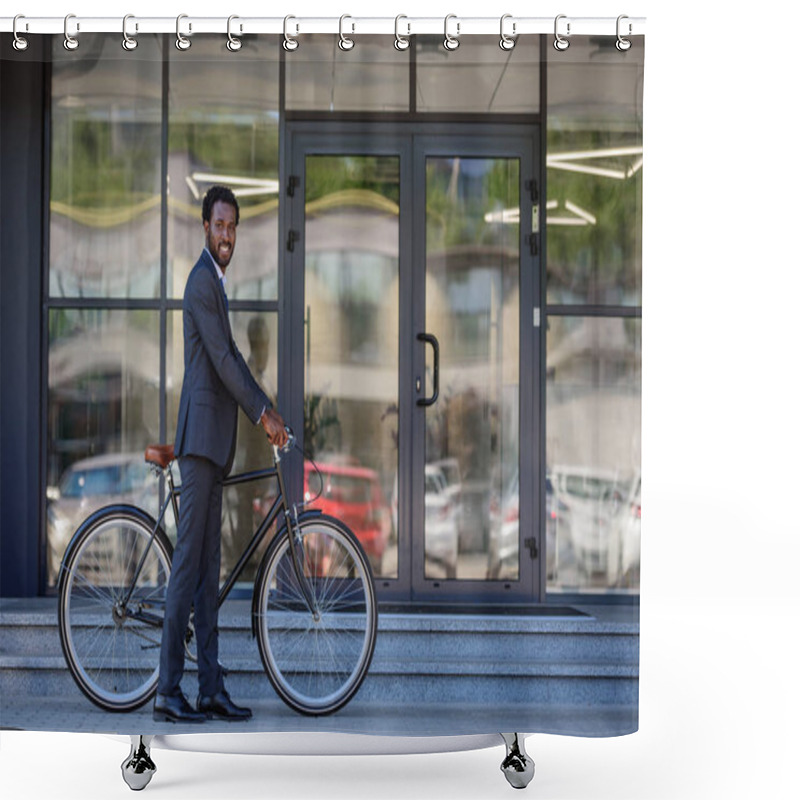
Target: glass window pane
{"points": [[352, 345], [105, 176], [373, 76], [223, 128], [593, 485], [256, 335], [103, 370], [245, 505], [594, 174], [478, 77], [472, 431]]}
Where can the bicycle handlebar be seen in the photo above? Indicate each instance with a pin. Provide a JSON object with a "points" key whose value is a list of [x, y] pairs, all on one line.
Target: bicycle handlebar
{"points": [[290, 442]]}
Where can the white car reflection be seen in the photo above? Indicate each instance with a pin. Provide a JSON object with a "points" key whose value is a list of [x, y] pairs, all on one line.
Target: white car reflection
{"points": [[441, 527], [88, 485], [625, 540], [503, 562], [591, 499], [454, 489]]}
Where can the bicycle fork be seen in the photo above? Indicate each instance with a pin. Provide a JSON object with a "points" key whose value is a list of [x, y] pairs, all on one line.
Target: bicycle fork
{"points": [[290, 528]]}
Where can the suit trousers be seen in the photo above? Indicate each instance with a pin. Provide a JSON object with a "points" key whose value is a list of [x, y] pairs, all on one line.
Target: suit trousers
{"points": [[194, 579]]}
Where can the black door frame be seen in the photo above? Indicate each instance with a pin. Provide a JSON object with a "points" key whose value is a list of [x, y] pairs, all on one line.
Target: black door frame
{"points": [[412, 142]]}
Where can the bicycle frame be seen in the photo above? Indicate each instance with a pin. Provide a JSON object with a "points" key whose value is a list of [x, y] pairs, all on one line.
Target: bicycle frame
{"points": [[278, 505]]}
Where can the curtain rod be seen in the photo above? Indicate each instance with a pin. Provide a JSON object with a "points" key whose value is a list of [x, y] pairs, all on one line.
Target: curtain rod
{"points": [[451, 27]]}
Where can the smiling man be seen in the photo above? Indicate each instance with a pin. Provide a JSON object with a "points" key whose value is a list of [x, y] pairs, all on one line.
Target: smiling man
{"points": [[216, 381]]}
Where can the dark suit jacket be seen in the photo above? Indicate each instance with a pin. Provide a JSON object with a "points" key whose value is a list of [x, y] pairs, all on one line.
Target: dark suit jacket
{"points": [[216, 379]]}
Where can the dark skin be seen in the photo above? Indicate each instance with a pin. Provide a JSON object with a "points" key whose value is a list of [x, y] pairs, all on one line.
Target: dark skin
{"points": [[220, 241]]}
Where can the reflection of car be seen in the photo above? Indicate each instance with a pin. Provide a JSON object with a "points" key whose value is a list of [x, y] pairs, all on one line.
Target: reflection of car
{"points": [[441, 530], [591, 499], [353, 495], [625, 540], [503, 560], [88, 485], [454, 490], [504, 541]]}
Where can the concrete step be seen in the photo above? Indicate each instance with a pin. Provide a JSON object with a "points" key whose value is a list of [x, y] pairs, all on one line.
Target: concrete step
{"points": [[419, 657]]}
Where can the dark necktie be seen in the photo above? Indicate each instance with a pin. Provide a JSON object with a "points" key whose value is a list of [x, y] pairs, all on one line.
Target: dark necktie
{"points": [[222, 286]]}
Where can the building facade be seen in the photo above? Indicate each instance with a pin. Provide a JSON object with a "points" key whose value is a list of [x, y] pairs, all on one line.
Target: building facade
{"points": [[437, 276]]}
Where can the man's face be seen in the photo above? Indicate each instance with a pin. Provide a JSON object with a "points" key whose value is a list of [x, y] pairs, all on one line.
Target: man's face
{"points": [[221, 233]]}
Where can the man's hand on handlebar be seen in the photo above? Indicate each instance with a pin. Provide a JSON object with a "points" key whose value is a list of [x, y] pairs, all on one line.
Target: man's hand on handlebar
{"points": [[275, 427]]}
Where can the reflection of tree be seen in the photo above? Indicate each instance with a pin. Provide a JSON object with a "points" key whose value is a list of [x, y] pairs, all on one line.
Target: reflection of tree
{"points": [[392, 410], [458, 199], [338, 174], [593, 260], [463, 427], [321, 427], [98, 172], [102, 383]]}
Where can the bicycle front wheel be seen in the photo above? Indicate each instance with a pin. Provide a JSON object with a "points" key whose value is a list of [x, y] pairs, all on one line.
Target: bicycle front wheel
{"points": [[316, 658], [111, 606]]}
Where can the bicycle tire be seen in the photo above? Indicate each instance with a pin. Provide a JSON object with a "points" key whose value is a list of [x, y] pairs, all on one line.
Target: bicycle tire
{"points": [[113, 657], [316, 666]]}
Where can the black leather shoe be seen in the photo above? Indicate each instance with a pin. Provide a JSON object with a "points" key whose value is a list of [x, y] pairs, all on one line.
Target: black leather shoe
{"points": [[175, 709], [220, 706]]}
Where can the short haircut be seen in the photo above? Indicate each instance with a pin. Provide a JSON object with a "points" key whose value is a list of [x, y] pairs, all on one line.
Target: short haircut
{"points": [[219, 194]]}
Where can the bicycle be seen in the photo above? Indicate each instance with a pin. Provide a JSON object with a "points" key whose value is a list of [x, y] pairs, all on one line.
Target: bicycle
{"points": [[314, 612]]}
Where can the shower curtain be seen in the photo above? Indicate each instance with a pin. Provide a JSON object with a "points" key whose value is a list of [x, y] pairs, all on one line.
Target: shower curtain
{"points": [[438, 280]]}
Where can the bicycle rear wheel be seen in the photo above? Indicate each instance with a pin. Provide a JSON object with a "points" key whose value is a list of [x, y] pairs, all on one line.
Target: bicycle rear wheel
{"points": [[316, 662], [112, 647]]}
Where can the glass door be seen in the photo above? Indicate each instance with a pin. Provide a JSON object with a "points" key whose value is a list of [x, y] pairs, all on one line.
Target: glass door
{"points": [[470, 425], [407, 326]]}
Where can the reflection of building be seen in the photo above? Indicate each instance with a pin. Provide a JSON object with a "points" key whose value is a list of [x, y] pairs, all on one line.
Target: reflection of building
{"points": [[373, 210]]}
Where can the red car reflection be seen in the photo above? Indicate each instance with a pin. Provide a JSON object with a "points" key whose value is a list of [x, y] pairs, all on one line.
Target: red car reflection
{"points": [[353, 495]]}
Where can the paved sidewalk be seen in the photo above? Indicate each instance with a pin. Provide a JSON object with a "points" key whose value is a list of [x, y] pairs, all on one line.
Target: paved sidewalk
{"points": [[370, 713], [272, 716]]}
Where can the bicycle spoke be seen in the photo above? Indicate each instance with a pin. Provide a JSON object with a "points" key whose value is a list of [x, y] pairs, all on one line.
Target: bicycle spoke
{"points": [[317, 661], [112, 654]]}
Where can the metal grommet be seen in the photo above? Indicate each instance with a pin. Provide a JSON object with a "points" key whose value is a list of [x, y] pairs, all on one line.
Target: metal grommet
{"points": [[181, 42], [401, 42], [20, 42], [128, 42], [623, 44], [507, 42], [233, 44], [289, 42], [344, 42], [560, 42], [451, 42], [70, 42]]}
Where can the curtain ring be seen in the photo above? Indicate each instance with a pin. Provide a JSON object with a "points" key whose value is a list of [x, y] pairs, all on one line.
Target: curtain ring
{"points": [[401, 42], [70, 42], [20, 42], [623, 44], [560, 42], [128, 42], [233, 44], [344, 42], [507, 42], [451, 42], [289, 42], [181, 42]]}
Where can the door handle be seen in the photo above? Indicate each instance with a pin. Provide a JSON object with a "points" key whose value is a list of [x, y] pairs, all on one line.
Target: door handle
{"points": [[430, 339]]}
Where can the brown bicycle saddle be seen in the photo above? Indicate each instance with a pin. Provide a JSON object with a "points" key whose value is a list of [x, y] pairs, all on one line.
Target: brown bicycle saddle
{"points": [[160, 454]]}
